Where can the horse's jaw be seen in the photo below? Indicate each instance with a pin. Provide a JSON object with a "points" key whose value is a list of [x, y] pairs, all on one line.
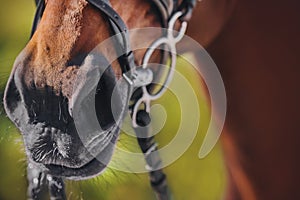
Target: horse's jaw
{"points": [[69, 137]]}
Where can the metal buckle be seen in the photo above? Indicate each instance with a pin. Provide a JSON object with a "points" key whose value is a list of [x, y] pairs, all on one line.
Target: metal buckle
{"points": [[139, 77]]}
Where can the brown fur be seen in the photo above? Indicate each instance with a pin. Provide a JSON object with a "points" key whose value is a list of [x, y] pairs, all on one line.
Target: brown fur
{"points": [[256, 46]]}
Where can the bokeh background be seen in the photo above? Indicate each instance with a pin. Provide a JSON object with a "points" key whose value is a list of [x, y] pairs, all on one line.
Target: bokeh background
{"points": [[189, 177]]}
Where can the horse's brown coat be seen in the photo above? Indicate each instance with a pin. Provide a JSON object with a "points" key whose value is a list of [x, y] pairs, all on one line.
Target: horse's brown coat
{"points": [[257, 52], [256, 46], [69, 29]]}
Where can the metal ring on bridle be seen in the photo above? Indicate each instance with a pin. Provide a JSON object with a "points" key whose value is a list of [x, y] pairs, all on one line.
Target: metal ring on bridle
{"points": [[171, 42]]}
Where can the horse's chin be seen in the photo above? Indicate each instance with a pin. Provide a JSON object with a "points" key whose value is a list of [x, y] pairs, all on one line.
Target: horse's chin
{"points": [[89, 170]]}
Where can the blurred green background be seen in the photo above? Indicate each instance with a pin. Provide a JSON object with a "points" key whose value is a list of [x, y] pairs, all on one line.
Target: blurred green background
{"points": [[189, 177]]}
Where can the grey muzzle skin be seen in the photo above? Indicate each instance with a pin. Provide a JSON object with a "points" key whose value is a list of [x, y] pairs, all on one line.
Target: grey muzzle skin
{"points": [[70, 137]]}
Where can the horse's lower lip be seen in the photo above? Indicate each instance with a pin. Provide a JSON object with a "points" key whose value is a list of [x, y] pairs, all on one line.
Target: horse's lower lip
{"points": [[90, 169]]}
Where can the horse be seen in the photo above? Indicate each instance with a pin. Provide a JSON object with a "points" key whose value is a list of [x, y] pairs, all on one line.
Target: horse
{"points": [[254, 44]]}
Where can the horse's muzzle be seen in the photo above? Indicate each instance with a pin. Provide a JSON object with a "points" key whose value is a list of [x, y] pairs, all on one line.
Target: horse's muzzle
{"points": [[71, 136]]}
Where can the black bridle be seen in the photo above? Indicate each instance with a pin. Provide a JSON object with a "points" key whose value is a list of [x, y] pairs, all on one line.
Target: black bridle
{"points": [[170, 11], [167, 9]]}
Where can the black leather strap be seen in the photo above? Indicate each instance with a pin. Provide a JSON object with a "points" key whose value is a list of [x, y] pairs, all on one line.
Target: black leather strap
{"points": [[120, 30], [38, 15], [115, 19], [166, 8]]}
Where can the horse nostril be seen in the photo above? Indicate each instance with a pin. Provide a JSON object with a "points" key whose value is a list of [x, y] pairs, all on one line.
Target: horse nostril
{"points": [[13, 99]]}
